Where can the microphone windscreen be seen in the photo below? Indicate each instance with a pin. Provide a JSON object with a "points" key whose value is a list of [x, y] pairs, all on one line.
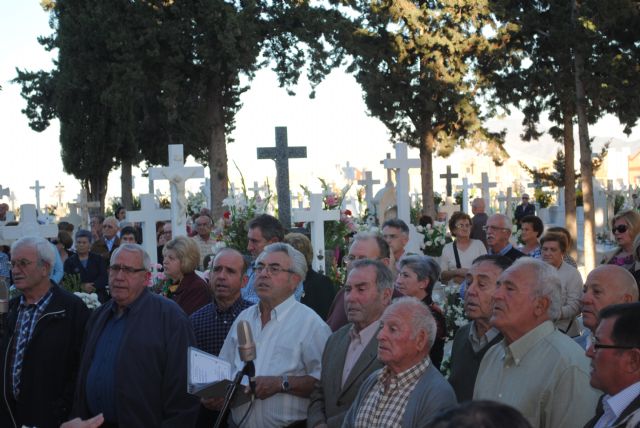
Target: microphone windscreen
{"points": [[246, 345]]}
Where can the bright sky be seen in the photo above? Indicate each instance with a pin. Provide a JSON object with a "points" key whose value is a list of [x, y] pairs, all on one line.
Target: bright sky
{"points": [[334, 126]]}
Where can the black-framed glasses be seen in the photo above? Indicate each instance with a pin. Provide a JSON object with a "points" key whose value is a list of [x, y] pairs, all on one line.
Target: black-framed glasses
{"points": [[271, 269], [126, 269], [594, 343], [494, 228], [621, 228]]}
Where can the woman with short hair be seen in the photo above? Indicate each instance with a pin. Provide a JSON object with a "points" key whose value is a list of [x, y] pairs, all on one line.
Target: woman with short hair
{"points": [[180, 260]]}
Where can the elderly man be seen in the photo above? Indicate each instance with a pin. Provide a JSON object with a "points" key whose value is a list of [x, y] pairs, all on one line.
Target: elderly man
{"points": [[263, 230], [350, 354], [212, 322], [524, 209], [109, 241], [498, 229], [203, 238], [396, 233], [478, 221], [40, 348], [605, 285], [409, 390], [364, 246], [474, 339], [615, 362], [536, 368], [134, 362], [289, 339]]}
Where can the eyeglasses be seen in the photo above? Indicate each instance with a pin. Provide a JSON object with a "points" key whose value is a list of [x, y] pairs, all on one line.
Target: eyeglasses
{"points": [[463, 226], [202, 224], [126, 269], [22, 263], [494, 228], [621, 228], [594, 343], [270, 269]]}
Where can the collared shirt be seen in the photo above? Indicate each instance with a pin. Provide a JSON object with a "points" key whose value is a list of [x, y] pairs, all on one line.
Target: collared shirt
{"points": [[555, 371], [101, 382], [359, 341], [28, 317], [291, 343], [110, 242], [386, 402], [249, 291], [479, 342], [502, 252], [205, 247], [615, 405], [211, 324]]}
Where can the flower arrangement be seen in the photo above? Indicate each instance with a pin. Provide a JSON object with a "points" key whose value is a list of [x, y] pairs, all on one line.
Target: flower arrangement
{"points": [[159, 282], [89, 299], [542, 198], [434, 238], [72, 283], [453, 310]]}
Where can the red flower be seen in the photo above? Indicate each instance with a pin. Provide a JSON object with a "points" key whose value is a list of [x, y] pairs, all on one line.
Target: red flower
{"points": [[347, 212], [226, 214]]}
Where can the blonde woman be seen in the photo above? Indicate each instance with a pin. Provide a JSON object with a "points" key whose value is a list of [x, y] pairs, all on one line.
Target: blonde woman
{"points": [[180, 260]]}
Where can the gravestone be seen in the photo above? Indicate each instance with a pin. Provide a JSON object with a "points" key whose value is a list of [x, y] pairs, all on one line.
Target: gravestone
{"points": [[84, 205], [465, 194], [484, 186], [349, 173], [600, 207], [37, 189], [449, 208], [448, 176], [59, 192], [401, 164], [205, 188], [28, 226], [368, 183], [73, 217], [281, 154], [5, 191], [316, 216], [148, 215], [178, 175]]}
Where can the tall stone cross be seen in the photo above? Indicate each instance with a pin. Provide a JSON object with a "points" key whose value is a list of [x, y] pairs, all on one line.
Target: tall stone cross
{"points": [[368, 183], [148, 215], [349, 172], [4, 191], [502, 198], [402, 164], [84, 205], [177, 174], [316, 216], [37, 189], [465, 194], [484, 185], [206, 189], [389, 171], [256, 189], [281, 154], [29, 226], [448, 176]]}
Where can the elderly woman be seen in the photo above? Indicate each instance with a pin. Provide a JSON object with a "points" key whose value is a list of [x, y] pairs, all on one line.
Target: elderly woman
{"points": [[625, 226], [416, 278], [457, 256], [91, 268], [180, 259], [531, 228], [554, 247], [318, 290]]}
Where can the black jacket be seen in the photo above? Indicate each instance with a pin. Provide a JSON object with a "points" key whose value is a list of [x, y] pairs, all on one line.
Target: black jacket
{"points": [[50, 363], [96, 270]]}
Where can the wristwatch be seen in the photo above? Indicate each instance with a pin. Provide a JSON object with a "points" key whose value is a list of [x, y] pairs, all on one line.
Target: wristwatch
{"points": [[285, 384]]}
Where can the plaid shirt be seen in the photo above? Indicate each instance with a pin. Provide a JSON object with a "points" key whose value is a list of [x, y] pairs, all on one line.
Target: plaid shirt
{"points": [[386, 402], [211, 324], [28, 316]]}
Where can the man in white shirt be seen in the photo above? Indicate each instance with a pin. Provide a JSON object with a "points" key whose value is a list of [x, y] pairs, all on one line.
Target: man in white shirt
{"points": [[289, 337], [615, 366]]}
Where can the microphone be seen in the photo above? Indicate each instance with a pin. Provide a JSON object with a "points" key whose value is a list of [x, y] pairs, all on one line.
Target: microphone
{"points": [[4, 305], [247, 351]]}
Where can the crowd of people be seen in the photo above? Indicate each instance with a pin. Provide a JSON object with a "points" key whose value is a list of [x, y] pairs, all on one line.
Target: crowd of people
{"points": [[541, 348]]}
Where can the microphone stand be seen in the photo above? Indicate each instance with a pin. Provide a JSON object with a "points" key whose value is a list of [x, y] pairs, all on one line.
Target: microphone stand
{"points": [[249, 370]]}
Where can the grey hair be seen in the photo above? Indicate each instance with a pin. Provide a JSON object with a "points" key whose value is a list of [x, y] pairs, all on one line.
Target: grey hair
{"points": [[419, 316], [546, 283], [384, 277], [133, 248], [425, 267], [298, 262], [45, 250], [506, 220], [383, 247]]}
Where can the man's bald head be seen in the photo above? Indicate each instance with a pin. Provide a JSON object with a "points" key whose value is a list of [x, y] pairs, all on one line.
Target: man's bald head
{"points": [[606, 285]]}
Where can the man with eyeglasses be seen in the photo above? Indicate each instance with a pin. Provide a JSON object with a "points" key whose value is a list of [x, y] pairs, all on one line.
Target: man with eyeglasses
{"points": [[615, 366], [204, 225], [498, 229], [535, 368], [134, 361], [40, 347], [524, 209], [289, 339]]}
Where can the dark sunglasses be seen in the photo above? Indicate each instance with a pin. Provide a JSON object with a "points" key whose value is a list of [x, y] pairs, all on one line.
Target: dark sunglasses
{"points": [[621, 228]]}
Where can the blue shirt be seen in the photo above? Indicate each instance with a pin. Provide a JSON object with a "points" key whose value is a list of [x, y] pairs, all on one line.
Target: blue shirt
{"points": [[211, 324], [5, 270], [57, 270], [100, 385]]}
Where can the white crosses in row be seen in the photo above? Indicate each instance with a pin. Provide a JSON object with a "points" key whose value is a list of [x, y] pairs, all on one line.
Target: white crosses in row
{"points": [[148, 215]]}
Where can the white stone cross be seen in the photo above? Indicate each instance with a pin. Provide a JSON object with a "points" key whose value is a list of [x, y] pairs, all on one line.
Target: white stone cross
{"points": [[316, 216], [368, 183], [206, 189], [177, 174], [4, 191], [349, 172], [501, 200], [37, 188], [29, 226], [84, 206], [73, 217], [389, 171], [484, 185], [465, 194], [402, 164], [256, 189], [148, 215], [449, 207]]}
